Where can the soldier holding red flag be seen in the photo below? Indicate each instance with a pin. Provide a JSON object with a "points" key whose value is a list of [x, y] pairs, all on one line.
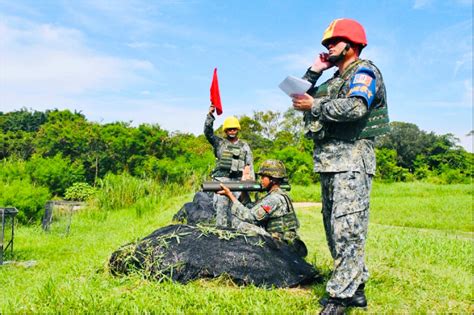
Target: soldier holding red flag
{"points": [[234, 160]]}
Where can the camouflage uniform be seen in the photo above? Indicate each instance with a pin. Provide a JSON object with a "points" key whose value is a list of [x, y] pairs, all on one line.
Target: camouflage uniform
{"points": [[221, 203], [273, 215], [343, 128]]}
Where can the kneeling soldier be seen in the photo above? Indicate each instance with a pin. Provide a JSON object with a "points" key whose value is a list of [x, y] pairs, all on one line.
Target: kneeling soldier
{"points": [[273, 214]]}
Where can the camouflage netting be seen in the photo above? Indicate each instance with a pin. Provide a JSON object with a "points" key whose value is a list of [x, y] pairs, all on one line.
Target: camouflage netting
{"points": [[199, 210], [184, 253]]}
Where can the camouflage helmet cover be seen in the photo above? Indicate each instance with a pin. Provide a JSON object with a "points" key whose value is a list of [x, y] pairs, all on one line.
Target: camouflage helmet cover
{"points": [[272, 168]]}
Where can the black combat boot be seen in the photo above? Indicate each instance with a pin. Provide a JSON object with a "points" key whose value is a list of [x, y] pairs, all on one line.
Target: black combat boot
{"points": [[334, 306], [357, 300]]}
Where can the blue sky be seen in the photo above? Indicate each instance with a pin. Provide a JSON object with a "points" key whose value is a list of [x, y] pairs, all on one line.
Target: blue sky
{"points": [[152, 61]]}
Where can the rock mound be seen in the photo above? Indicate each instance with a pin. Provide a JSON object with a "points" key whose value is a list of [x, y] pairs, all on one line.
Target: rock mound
{"points": [[197, 211]]}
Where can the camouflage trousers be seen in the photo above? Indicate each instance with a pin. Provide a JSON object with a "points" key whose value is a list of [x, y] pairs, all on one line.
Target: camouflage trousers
{"points": [[346, 198], [222, 204], [248, 228]]}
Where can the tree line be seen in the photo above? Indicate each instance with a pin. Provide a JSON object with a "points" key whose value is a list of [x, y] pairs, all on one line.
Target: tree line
{"points": [[54, 149]]}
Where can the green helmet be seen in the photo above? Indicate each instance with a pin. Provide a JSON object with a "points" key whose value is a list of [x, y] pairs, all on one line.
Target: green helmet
{"points": [[272, 168]]}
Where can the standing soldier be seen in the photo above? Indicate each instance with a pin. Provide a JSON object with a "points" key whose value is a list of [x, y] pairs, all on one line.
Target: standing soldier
{"points": [[342, 116], [234, 161]]}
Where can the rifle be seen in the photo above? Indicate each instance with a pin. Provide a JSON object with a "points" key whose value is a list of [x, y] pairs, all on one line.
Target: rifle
{"points": [[246, 185]]}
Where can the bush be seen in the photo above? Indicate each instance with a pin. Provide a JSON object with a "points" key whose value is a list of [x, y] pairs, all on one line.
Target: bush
{"points": [[178, 170], [56, 173], [28, 198], [453, 176], [387, 168], [12, 168], [299, 165], [79, 192]]}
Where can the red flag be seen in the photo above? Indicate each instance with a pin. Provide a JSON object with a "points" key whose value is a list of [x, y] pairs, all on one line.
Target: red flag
{"points": [[215, 96]]}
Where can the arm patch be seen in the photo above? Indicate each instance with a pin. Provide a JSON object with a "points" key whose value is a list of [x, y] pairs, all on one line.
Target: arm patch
{"points": [[263, 212], [267, 208], [363, 85]]}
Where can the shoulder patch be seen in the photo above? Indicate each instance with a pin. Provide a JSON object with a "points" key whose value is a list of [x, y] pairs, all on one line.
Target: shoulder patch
{"points": [[362, 78], [363, 85], [267, 208]]}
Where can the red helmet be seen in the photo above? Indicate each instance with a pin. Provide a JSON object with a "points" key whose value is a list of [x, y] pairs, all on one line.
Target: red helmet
{"points": [[345, 28]]}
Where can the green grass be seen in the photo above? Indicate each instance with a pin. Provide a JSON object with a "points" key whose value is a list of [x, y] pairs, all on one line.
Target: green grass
{"points": [[419, 252], [305, 193], [418, 205], [423, 205]]}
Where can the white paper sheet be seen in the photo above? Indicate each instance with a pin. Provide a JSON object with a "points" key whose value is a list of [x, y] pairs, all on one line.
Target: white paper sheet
{"points": [[294, 86]]}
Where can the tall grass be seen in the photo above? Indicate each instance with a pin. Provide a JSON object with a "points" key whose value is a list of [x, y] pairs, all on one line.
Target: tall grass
{"points": [[125, 191], [121, 191]]}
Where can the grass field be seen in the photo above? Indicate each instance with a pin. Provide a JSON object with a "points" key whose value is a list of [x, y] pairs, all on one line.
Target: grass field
{"points": [[420, 254]]}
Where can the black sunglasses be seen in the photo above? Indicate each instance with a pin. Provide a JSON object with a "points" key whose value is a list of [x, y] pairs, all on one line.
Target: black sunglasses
{"points": [[333, 41]]}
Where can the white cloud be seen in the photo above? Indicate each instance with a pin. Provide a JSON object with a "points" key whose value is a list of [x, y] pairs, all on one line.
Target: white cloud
{"points": [[296, 61], [43, 66], [54, 62], [272, 99], [450, 46], [170, 114], [138, 21], [464, 62], [419, 4], [443, 63], [383, 57], [466, 142], [465, 2], [468, 92], [455, 104], [140, 45]]}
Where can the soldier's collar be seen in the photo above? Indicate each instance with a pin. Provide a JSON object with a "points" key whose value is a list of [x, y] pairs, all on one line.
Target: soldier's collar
{"points": [[348, 69]]}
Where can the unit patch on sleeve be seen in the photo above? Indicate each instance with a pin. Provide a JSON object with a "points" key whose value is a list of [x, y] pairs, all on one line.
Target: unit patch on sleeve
{"points": [[363, 85], [267, 208]]}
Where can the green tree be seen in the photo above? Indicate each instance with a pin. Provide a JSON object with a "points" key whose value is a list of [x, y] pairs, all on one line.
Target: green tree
{"points": [[56, 173], [425, 154], [76, 139], [292, 123], [65, 133], [387, 168], [152, 139], [192, 154], [22, 120], [122, 147], [17, 143], [299, 165], [252, 133], [408, 141], [449, 161]]}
